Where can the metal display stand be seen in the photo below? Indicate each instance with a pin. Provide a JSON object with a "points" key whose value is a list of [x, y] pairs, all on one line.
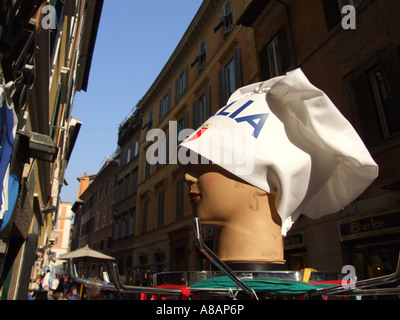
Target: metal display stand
{"points": [[243, 291]]}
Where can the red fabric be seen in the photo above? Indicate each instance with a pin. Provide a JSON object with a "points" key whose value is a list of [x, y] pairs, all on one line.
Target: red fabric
{"points": [[326, 282], [334, 283], [185, 291]]}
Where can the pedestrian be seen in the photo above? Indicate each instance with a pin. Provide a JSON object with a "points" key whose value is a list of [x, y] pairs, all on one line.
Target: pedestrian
{"points": [[73, 294], [59, 291]]}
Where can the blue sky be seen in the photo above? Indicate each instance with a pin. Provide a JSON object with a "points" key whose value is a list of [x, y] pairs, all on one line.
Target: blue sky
{"points": [[134, 41]]}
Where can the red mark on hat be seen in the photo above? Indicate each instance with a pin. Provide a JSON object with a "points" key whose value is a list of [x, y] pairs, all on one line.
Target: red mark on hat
{"points": [[200, 132]]}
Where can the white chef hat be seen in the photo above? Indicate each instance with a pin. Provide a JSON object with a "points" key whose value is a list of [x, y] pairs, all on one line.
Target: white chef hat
{"points": [[301, 148]]}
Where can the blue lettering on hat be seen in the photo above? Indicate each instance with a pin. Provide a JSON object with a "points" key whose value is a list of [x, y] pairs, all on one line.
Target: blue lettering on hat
{"points": [[251, 119], [257, 126]]}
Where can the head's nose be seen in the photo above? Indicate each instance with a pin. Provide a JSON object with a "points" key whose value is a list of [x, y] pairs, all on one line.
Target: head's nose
{"points": [[190, 180]]}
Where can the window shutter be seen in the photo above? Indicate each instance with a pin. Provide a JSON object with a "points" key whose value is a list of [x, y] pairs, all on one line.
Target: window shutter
{"points": [[185, 120], [264, 65], [219, 24], [202, 55], [283, 49], [195, 115], [371, 130], [332, 13], [227, 17], [185, 80], [221, 88], [161, 110], [177, 90], [208, 103], [194, 62], [169, 101], [389, 92], [238, 68]]}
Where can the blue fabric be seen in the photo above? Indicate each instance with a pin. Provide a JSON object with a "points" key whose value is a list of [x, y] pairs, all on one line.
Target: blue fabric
{"points": [[7, 137], [13, 189]]}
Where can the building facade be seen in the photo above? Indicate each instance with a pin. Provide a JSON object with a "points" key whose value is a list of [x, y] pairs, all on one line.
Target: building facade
{"points": [[356, 67], [78, 209], [233, 43], [213, 59], [230, 44], [125, 205], [96, 215], [62, 231], [46, 51]]}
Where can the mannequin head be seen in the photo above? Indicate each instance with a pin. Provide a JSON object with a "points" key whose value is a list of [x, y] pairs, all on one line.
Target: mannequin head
{"points": [[248, 228], [306, 159]]}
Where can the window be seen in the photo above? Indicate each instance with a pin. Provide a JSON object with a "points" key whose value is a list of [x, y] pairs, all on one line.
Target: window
{"points": [[147, 170], [121, 228], [274, 56], [100, 217], [161, 209], [163, 151], [115, 180], [229, 78], [145, 215], [181, 125], [104, 216], [201, 59], [126, 226], [134, 181], [180, 193], [164, 105], [227, 19], [333, 10], [125, 157], [131, 223], [126, 185], [115, 230], [201, 109], [377, 102], [202, 55], [149, 123], [137, 147], [106, 189], [134, 148], [119, 191], [180, 85]]}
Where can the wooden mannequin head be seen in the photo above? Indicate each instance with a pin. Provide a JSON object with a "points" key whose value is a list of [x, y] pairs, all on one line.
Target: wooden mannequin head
{"points": [[247, 225]]}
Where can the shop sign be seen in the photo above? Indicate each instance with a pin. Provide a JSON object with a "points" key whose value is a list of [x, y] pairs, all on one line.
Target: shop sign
{"points": [[294, 241], [372, 225]]}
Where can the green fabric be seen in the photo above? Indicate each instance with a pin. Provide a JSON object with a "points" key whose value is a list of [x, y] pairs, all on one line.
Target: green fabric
{"points": [[270, 285]]}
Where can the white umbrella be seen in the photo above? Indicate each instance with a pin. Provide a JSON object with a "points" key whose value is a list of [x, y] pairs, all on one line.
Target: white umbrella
{"points": [[84, 253]]}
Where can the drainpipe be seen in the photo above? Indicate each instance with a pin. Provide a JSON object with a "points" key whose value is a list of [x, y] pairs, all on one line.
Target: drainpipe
{"points": [[291, 31]]}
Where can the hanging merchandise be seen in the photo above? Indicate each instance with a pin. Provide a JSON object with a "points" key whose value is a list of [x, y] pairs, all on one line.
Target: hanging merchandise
{"points": [[11, 198], [9, 184]]}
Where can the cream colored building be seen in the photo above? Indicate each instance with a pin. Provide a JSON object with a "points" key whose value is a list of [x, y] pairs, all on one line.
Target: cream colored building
{"points": [[62, 233], [48, 47]]}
